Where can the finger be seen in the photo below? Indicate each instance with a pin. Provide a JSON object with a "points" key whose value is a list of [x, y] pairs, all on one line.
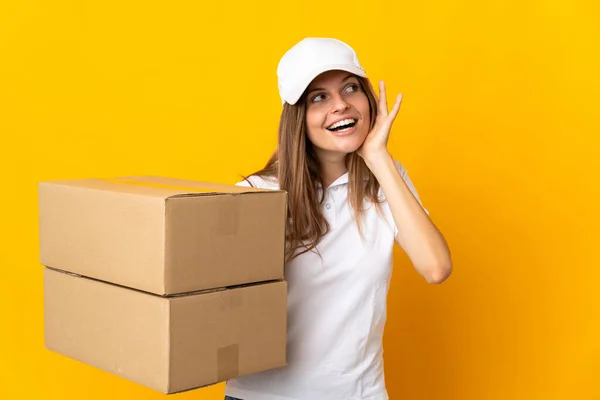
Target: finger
{"points": [[383, 110], [396, 107]]}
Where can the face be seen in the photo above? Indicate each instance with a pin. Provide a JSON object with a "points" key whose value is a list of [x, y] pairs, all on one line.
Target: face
{"points": [[337, 113]]}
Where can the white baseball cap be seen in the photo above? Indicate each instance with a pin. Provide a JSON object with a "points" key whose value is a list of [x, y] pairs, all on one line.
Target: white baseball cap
{"points": [[309, 58]]}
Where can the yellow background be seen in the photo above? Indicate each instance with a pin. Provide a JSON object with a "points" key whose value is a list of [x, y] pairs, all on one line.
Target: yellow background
{"points": [[499, 130]]}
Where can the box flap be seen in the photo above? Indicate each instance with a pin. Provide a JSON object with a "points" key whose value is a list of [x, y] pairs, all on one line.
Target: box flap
{"points": [[188, 186], [155, 186], [113, 185]]}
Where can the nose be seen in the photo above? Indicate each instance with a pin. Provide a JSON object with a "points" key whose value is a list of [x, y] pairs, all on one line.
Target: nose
{"points": [[339, 104]]}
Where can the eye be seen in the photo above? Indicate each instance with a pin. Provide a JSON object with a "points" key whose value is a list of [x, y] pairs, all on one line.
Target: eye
{"points": [[353, 86], [315, 98]]}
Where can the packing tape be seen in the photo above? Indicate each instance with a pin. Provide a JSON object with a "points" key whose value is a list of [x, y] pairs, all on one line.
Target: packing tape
{"points": [[228, 360], [161, 185]]}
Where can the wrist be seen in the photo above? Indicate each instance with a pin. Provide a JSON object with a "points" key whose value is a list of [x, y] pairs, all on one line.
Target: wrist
{"points": [[379, 160]]}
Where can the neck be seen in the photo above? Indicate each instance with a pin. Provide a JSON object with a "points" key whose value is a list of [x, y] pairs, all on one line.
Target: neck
{"points": [[332, 167]]}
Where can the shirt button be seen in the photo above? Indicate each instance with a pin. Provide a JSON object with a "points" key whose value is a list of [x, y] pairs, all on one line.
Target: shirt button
{"points": [[327, 206], [335, 188]]}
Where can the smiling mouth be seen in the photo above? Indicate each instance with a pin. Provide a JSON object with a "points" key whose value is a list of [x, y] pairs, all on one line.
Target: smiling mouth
{"points": [[342, 125]]}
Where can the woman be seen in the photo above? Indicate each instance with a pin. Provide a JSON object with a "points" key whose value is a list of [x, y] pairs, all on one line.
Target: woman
{"points": [[349, 201]]}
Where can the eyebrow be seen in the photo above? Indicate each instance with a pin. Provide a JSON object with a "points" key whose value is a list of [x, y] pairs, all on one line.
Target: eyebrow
{"points": [[318, 88]]}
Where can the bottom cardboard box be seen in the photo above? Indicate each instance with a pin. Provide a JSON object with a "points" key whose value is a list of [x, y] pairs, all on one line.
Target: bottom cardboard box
{"points": [[169, 344]]}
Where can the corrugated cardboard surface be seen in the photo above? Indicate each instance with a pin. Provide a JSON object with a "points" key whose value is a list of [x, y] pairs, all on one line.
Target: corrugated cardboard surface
{"points": [[125, 332], [162, 235], [169, 344]]}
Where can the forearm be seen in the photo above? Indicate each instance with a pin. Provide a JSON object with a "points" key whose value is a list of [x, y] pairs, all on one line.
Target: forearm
{"points": [[424, 244]]}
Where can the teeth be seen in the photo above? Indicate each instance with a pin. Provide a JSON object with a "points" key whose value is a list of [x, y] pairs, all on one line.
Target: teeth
{"points": [[343, 122]]}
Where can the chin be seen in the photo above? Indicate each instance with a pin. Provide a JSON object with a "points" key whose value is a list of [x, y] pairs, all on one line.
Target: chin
{"points": [[349, 148], [349, 144], [341, 149]]}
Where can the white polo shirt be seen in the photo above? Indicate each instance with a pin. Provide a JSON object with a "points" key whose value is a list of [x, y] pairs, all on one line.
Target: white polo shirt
{"points": [[336, 309]]}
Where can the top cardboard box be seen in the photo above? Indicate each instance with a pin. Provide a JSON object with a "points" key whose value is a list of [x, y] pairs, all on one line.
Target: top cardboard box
{"points": [[162, 235]]}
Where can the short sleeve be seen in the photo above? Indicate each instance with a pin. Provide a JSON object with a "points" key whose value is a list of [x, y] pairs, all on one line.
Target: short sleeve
{"points": [[243, 183], [404, 174], [259, 182]]}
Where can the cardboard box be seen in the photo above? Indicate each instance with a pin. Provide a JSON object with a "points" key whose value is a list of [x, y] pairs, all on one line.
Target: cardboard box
{"points": [[163, 235], [170, 344]]}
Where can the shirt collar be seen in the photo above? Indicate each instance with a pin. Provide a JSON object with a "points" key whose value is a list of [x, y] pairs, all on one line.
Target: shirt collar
{"points": [[341, 180]]}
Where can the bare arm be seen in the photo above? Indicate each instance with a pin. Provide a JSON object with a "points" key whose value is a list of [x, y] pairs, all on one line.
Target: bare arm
{"points": [[417, 235]]}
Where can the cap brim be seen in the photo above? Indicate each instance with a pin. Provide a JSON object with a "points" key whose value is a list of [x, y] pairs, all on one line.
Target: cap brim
{"points": [[296, 92]]}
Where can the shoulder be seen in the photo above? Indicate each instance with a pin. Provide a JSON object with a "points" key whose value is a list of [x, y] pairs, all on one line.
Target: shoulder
{"points": [[261, 182]]}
